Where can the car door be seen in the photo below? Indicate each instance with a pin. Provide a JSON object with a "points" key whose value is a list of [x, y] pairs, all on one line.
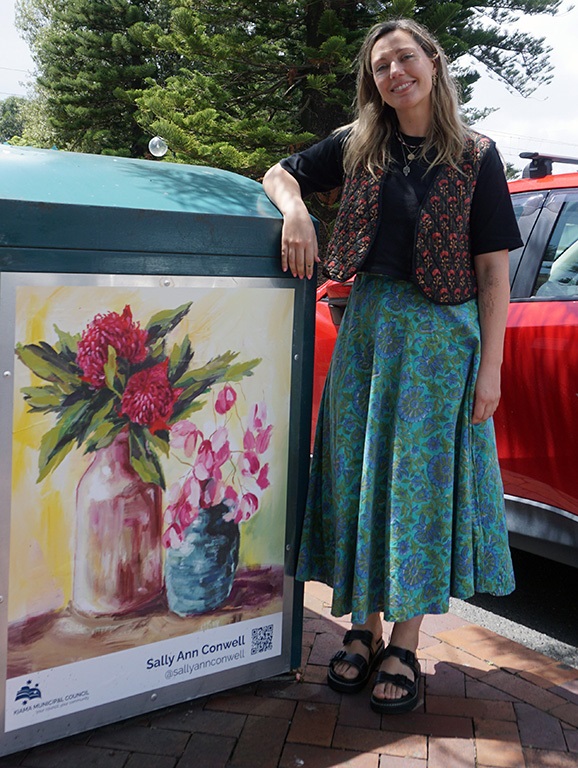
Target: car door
{"points": [[537, 421]]}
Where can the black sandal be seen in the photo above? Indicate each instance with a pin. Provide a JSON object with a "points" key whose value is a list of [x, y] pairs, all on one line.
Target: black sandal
{"points": [[364, 666], [409, 701]]}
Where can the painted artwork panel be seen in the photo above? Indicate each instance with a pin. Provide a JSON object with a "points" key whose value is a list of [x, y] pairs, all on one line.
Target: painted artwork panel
{"points": [[148, 508]]}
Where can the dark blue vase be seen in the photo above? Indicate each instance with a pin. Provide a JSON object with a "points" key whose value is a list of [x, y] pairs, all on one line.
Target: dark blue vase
{"points": [[199, 574]]}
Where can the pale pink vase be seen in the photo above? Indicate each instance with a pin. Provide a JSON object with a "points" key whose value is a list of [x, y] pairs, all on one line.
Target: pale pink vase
{"points": [[117, 560]]}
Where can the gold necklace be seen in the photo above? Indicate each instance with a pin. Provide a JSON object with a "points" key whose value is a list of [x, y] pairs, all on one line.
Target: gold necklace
{"points": [[411, 152]]}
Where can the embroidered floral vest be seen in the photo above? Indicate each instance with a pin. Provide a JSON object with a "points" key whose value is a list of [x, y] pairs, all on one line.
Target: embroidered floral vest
{"points": [[442, 264]]}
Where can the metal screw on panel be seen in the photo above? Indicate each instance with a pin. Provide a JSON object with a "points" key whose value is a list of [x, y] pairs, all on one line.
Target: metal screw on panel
{"points": [[154, 696], [295, 357], [1, 599], [7, 374], [166, 282]]}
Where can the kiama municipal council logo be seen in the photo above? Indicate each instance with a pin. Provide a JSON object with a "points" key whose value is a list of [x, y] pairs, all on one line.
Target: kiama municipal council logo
{"points": [[28, 692]]}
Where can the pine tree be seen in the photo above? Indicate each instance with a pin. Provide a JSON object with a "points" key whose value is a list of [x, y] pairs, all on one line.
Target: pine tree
{"points": [[91, 60], [265, 76]]}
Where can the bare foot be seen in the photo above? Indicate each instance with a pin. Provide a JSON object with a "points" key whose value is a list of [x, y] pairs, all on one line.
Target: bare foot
{"points": [[393, 666], [404, 635], [373, 624]]}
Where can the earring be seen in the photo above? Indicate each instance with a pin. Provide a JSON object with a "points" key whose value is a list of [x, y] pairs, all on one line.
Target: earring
{"points": [[434, 78]]}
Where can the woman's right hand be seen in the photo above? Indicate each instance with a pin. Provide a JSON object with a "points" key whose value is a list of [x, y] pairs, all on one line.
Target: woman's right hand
{"points": [[299, 250]]}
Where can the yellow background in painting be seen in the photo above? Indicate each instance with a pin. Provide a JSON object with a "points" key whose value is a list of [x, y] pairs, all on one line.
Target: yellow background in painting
{"points": [[255, 322]]}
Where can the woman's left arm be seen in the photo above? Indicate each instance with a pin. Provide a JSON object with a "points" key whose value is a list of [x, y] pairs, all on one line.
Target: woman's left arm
{"points": [[492, 272]]}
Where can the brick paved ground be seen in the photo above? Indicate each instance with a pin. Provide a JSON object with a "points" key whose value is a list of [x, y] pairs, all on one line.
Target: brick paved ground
{"points": [[487, 702]]}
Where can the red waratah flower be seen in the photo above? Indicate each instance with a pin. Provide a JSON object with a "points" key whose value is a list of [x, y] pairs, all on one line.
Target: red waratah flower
{"points": [[110, 330], [149, 398]]}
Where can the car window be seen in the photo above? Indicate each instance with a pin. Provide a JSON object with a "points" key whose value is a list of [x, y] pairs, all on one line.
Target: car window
{"points": [[558, 274], [526, 206]]}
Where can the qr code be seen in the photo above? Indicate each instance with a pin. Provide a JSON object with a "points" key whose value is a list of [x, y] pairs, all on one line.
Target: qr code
{"points": [[262, 639]]}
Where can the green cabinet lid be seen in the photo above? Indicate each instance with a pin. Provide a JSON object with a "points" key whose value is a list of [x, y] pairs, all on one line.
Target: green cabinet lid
{"points": [[51, 198]]}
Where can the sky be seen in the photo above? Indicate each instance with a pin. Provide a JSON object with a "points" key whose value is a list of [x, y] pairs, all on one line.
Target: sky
{"points": [[547, 121]]}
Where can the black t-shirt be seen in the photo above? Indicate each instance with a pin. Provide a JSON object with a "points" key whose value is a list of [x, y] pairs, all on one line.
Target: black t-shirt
{"points": [[493, 226]]}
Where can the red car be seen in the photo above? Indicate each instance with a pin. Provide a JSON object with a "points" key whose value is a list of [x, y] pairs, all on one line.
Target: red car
{"points": [[537, 420]]}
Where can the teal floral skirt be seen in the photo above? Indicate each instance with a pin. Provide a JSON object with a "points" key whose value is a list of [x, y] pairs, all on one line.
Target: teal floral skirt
{"points": [[405, 505]]}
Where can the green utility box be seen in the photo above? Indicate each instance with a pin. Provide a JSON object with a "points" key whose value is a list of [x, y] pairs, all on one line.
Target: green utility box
{"points": [[156, 395]]}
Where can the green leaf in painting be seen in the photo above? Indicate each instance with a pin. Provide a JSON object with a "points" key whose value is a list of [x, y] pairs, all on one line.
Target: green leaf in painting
{"points": [[46, 363], [163, 322], [240, 370], [110, 367], [102, 437], [179, 359], [46, 398], [183, 410], [160, 440], [67, 343], [54, 447], [144, 461], [101, 431]]}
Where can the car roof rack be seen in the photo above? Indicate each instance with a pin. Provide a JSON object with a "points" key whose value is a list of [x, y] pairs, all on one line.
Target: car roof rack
{"points": [[541, 165]]}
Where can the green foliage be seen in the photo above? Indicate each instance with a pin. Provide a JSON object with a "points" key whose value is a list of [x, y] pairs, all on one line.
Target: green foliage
{"points": [[11, 117], [238, 84], [90, 59], [261, 79]]}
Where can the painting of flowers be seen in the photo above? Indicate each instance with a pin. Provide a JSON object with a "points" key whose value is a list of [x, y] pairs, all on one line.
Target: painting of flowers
{"points": [[147, 433], [117, 376], [222, 488]]}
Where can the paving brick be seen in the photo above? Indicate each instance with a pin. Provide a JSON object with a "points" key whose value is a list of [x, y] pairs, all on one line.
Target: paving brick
{"points": [[571, 736], [324, 647], [466, 635], [551, 674], [313, 724], [444, 679], [261, 743], [538, 729], [383, 742], [568, 713], [497, 650], [314, 674], [356, 712], [433, 624], [391, 761], [568, 691], [13, 761], [542, 758], [498, 744], [151, 761], [307, 638], [252, 705], [470, 665], [202, 721], [460, 707], [300, 692], [475, 689], [299, 755], [155, 741], [451, 753], [430, 725], [207, 750], [523, 690], [62, 754]]}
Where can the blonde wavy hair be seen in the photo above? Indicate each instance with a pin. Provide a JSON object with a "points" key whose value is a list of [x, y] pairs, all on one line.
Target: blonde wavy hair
{"points": [[368, 142]]}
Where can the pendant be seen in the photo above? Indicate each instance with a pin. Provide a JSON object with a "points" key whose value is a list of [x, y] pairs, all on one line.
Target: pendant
{"points": [[405, 170], [411, 157]]}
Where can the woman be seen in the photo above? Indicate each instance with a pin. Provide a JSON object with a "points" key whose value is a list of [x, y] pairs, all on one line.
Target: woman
{"points": [[405, 504]]}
